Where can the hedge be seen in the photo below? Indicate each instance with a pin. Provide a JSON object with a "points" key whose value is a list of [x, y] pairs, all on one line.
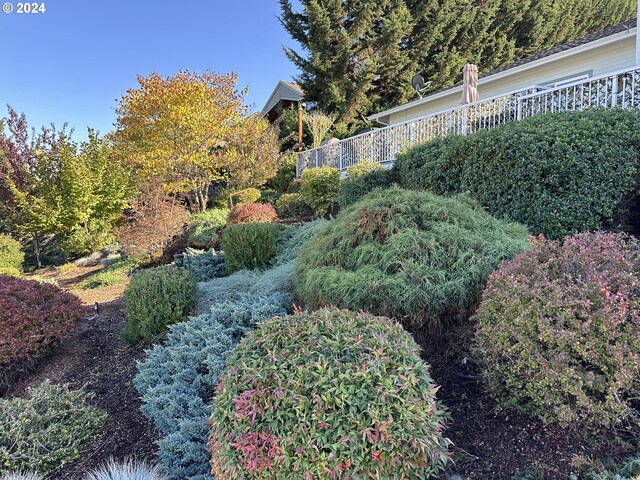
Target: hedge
{"points": [[559, 173]]}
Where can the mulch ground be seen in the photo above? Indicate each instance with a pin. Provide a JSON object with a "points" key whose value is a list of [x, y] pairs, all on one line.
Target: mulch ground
{"points": [[97, 357], [495, 443]]}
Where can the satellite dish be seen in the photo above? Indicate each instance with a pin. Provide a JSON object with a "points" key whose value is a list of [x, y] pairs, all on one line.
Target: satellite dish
{"points": [[419, 84]]}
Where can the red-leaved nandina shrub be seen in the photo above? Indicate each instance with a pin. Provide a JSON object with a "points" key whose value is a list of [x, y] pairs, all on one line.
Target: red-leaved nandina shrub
{"points": [[33, 316], [559, 330], [331, 394], [253, 212]]}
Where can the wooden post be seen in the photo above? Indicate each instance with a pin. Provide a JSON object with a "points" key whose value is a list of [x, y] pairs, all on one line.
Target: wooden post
{"points": [[300, 111]]}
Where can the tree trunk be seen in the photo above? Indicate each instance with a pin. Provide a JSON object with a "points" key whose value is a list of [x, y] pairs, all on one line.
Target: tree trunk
{"points": [[36, 247]]}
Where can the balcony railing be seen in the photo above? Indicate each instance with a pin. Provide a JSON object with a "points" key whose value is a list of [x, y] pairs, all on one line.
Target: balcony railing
{"points": [[619, 89]]}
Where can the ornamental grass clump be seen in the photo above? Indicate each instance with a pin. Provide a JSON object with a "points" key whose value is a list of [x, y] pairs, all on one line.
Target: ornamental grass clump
{"points": [[158, 297], [330, 394], [419, 257], [559, 331]]}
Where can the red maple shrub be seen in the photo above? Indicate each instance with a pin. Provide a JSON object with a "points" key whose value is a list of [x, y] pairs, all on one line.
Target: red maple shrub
{"points": [[33, 316], [253, 212], [559, 330]]}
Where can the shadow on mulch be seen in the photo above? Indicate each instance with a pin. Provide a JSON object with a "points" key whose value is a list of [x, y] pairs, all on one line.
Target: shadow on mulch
{"points": [[492, 442], [97, 356]]}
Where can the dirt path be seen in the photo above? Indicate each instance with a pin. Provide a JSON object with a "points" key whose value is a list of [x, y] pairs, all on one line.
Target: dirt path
{"points": [[96, 356]]}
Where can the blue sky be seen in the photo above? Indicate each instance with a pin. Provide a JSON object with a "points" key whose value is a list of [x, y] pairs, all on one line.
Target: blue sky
{"points": [[72, 62]]}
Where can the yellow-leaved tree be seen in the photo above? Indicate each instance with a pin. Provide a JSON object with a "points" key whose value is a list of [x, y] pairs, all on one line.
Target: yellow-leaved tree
{"points": [[252, 153], [175, 128]]}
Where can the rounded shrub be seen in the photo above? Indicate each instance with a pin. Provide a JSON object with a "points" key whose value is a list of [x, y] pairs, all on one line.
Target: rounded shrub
{"points": [[559, 330], [419, 257], [319, 188], [559, 174], [158, 297], [242, 197], [11, 256], [249, 245], [362, 168], [291, 205], [47, 430], [205, 226], [353, 188], [253, 212], [331, 394], [33, 317]]}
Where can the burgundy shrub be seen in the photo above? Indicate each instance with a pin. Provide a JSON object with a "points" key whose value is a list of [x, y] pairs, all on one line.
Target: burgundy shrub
{"points": [[33, 316], [559, 330], [253, 212]]}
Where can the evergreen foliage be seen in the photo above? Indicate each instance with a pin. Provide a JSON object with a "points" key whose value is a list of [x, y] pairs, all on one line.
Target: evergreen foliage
{"points": [[415, 256], [354, 187], [158, 297], [559, 173], [47, 430], [359, 57], [249, 245], [177, 379]]}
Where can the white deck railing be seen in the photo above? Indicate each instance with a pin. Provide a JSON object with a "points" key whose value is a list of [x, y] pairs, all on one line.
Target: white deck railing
{"points": [[618, 89]]}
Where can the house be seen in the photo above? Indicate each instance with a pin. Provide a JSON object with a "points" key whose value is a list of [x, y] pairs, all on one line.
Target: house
{"points": [[284, 96], [598, 70]]}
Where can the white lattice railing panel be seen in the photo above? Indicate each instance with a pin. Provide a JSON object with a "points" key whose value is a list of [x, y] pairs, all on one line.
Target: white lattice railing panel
{"points": [[616, 90]]}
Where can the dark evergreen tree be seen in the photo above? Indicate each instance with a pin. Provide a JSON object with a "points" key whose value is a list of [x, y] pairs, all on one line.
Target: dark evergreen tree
{"points": [[358, 56], [356, 59]]}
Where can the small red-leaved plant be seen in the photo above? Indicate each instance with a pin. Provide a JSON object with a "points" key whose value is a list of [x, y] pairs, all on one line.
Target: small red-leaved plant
{"points": [[329, 394], [253, 212], [559, 330], [33, 316]]}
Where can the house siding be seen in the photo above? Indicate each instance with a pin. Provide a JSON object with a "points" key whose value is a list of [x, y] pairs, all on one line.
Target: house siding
{"points": [[597, 61]]}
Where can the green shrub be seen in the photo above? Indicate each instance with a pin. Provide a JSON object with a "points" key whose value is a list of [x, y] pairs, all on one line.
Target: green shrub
{"points": [[11, 256], [156, 298], [411, 255], [283, 181], [47, 430], [559, 173], [363, 168], [249, 245], [205, 225], [559, 331], [331, 393], [319, 188], [242, 197], [291, 205], [354, 188]]}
